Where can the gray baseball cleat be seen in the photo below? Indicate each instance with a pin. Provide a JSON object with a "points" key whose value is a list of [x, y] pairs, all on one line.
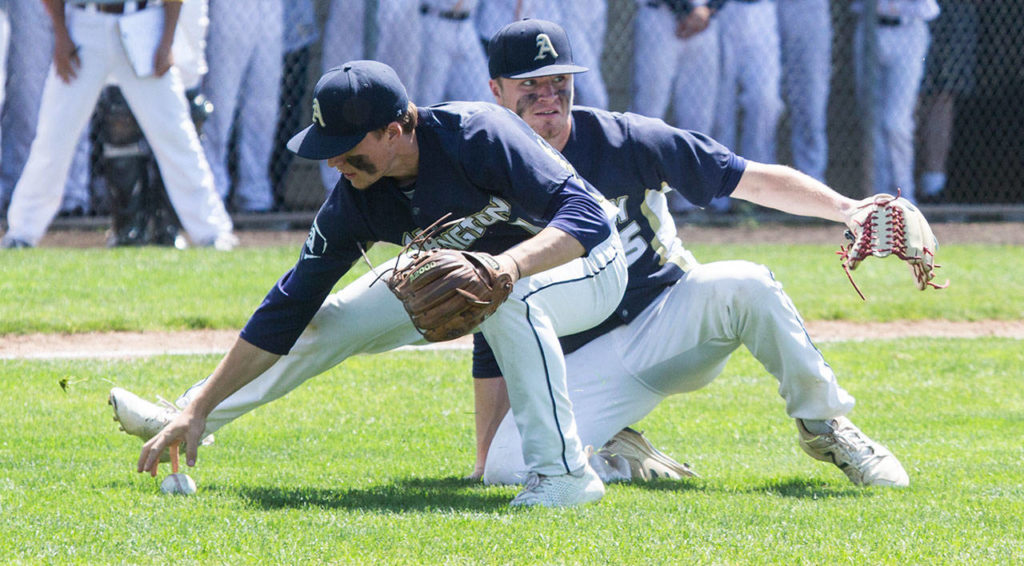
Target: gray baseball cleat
{"points": [[645, 461], [575, 488], [863, 460], [142, 418]]}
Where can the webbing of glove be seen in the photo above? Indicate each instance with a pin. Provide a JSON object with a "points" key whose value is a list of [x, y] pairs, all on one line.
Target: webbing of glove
{"points": [[448, 293], [892, 226]]}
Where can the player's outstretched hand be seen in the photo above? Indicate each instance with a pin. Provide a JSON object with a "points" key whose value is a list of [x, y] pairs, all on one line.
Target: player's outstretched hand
{"points": [[186, 428]]}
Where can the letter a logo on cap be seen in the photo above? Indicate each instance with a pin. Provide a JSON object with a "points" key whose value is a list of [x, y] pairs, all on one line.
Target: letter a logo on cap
{"points": [[318, 117], [544, 47]]}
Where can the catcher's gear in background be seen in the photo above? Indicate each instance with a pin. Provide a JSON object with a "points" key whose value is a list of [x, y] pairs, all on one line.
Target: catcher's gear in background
{"points": [[141, 212], [448, 293], [892, 225]]}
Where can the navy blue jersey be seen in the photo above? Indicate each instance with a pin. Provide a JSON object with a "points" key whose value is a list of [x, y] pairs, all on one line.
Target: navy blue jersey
{"points": [[477, 161], [634, 161]]}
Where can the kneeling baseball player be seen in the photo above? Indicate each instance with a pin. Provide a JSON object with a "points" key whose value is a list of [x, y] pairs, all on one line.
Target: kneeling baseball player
{"points": [[679, 320]]}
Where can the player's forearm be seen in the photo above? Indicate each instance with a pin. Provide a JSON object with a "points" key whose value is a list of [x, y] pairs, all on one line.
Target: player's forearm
{"points": [[550, 248], [788, 190], [56, 10], [172, 10], [243, 363]]}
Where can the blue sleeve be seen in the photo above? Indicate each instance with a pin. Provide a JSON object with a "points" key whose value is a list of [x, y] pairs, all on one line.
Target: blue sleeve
{"points": [[327, 255], [697, 166], [576, 212]]}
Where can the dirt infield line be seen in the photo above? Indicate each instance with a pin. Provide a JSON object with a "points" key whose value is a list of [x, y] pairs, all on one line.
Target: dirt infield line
{"points": [[144, 344]]}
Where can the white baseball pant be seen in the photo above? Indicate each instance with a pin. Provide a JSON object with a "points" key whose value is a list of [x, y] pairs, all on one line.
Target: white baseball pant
{"points": [[343, 41], [750, 75], [681, 343], [365, 319], [243, 48], [899, 58], [805, 33]]}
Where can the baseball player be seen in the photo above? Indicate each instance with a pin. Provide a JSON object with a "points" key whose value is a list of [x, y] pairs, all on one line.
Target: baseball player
{"points": [[901, 40], [679, 320], [29, 54], [750, 75], [403, 168], [5, 37], [345, 42], [456, 56], [587, 21], [244, 48], [805, 34], [676, 57], [87, 53]]}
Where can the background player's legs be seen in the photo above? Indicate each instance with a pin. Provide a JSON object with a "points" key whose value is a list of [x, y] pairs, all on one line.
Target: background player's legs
{"points": [[470, 65], [160, 108], [655, 56], [346, 20], [902, 49], [65, 111], [759, 70], [257, 113], [229, 50], [696, 84], [805, 33]]}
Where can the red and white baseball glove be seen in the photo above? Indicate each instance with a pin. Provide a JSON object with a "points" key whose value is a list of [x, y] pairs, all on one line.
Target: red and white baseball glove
{"points": [[888, 225]]}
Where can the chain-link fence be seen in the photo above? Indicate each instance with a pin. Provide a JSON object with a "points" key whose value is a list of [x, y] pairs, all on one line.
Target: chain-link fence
{"points": [[870, 96]]}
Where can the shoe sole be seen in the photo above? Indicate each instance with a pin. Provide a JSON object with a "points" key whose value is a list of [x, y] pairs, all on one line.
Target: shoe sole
{"points": [[641, 446]]}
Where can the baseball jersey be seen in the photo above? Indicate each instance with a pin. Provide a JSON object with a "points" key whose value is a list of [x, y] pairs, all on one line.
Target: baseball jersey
{"points": [[634, 161], [477, 161]]}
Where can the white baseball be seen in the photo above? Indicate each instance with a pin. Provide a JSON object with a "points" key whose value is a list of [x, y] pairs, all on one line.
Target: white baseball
{"points": [[178, 484]]}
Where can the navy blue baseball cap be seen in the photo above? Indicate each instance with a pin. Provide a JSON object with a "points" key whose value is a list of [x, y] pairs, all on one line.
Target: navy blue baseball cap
{"points": [[530, 48], [349, 102]]}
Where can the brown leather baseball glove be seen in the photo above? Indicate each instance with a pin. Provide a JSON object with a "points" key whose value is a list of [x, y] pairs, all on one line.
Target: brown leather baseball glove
{"points": [[448, 293]]}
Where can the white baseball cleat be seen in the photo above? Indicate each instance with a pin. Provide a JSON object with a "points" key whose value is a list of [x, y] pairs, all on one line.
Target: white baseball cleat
{"points": [[863, 460], [142, 418], [576, 488], [645, 461]]}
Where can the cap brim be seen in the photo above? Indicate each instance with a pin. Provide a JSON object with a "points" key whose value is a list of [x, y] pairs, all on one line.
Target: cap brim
{"points": [[549, 70], [313, 143]]}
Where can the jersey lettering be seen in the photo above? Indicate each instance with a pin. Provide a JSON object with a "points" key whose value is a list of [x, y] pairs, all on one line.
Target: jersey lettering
{"points": [[318, 116], [544, 47], [623, 215], [632, 242], [471, 228]]}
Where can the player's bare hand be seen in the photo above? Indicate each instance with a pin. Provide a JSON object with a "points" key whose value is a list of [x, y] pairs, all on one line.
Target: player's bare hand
{"points": [[694, 22], [476, 475], [65, 58], [162, 59], [187, 428]]}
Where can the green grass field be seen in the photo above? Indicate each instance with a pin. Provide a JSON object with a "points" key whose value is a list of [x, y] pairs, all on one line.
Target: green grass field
{"points": [[363, 464]]}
